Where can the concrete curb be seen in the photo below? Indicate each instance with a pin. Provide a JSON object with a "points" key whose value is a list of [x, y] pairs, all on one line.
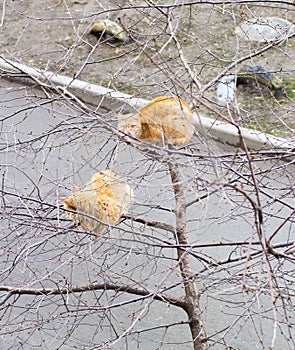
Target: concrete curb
{"points": [[111, 99], [229, 134]]}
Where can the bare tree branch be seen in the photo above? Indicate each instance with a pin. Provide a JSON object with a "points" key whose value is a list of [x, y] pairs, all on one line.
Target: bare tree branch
{"points": [[92, 287]]}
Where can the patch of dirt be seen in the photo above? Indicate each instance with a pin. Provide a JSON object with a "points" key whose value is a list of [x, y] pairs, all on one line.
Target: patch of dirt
{"points": [[176, 50]]}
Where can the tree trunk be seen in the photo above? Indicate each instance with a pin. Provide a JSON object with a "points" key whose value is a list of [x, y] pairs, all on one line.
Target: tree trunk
{"points": [[192, 297]]}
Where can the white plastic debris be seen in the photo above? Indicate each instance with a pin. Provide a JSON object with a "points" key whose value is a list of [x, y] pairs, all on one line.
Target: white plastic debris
{"points": [[265, 29], [226, 89]]}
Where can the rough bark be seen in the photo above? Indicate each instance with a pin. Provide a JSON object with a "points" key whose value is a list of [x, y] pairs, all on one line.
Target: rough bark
{"points": [[192, 297]]}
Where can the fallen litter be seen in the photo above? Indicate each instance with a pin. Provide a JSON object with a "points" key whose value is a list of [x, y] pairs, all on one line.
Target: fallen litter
{"points": [[110, 29], [253, 76], [265, 29]]}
